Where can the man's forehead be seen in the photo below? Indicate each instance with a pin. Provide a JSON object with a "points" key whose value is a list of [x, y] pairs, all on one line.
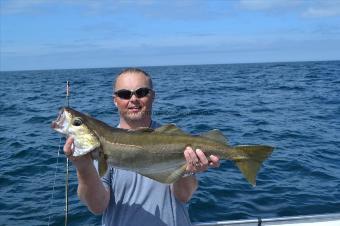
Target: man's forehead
{"points": [[132, 80]]}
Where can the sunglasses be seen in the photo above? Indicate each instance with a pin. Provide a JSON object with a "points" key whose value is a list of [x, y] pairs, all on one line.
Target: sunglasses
{"points": [[127, 94]]}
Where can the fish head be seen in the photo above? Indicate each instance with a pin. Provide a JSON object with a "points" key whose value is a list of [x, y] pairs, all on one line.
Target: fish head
{"points": [[72, 123]]}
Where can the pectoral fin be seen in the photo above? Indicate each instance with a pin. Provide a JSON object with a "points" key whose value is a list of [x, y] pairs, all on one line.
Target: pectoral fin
{"points": [[102, 164]]}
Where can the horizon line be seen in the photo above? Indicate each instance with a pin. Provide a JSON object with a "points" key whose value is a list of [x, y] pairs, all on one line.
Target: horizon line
{"points": [[170, 65]]}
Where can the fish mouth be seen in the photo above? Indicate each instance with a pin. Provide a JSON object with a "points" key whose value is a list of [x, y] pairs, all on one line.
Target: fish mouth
{"points": [[58, 124], [54, 125]]}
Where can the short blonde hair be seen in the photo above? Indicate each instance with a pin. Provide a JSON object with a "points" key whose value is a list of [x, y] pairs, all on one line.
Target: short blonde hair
{"points": [[134, 70]]}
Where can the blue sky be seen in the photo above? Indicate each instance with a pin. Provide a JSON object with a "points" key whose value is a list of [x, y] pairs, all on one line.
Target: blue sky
{"points": [[56, 34]]}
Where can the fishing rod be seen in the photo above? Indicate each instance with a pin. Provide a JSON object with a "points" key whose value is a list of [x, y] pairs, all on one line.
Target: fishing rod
{"points": [[67, 161]]}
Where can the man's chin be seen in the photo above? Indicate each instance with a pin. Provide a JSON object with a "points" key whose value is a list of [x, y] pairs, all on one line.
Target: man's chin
{"points": [[134, 116]]}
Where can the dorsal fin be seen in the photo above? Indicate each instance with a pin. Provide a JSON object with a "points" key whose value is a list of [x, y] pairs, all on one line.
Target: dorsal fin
{"points": [[141, 129], [170, 128], [215, 135]]}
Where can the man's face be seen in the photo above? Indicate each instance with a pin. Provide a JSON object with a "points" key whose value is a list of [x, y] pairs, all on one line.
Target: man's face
{"points": [[135, 108]]}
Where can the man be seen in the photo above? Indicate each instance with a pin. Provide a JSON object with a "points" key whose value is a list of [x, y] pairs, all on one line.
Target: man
{"points": [[128, 198]]}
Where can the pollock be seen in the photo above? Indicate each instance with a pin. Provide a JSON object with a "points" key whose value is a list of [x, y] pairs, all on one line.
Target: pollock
{"points": [[154, 153]]}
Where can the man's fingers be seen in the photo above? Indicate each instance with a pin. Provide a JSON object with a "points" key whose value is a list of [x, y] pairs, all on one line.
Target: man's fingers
{"points": [[215, 161], [197, 161], [193, 156], [204, 163], [188, 159], [192, 160], [201, 156], [68, 144], [68, 147]]}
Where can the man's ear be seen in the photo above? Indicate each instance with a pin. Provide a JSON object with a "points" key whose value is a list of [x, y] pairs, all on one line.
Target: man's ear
{"points": [[114, 100]]}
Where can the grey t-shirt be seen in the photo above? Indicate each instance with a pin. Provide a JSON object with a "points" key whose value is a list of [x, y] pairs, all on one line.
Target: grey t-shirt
{"points": [[138, 200]]}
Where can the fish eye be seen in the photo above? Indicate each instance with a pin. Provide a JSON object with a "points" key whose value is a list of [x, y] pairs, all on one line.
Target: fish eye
{"points": [[77, 122]]}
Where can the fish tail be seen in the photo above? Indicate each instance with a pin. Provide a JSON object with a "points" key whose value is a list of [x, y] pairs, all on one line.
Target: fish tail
{"points": [[249, 158]]}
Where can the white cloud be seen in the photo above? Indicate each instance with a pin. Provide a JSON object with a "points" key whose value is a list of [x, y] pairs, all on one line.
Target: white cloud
{"points": [[313, 12], [89, 6], [267, 4], [306, 8], [323, 9], [19, 6], [34, 6]]}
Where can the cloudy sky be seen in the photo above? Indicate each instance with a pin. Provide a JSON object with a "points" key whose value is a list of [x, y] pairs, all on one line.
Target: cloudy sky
{"points": [[55, 34]]}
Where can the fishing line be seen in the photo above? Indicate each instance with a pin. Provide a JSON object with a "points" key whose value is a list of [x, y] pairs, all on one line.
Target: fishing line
{"points": [[54, 180], [67, 103], [67, 161]]}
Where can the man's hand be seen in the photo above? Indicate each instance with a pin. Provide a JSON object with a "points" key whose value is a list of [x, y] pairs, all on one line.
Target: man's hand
{"points": [[198, 162], [81, 162]]}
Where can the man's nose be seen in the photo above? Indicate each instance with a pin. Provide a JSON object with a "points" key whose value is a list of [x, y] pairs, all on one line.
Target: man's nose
{"points": [[133, 97]]}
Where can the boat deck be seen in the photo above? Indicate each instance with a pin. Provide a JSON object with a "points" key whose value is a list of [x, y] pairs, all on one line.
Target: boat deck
{"points": [[308, 220]]}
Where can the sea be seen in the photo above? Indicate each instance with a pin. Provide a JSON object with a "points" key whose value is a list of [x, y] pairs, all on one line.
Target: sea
{"points": [[294, 107]]}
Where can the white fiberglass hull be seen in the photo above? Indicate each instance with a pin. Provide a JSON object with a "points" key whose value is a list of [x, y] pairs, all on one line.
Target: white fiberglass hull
{"points": [[308, 220]]}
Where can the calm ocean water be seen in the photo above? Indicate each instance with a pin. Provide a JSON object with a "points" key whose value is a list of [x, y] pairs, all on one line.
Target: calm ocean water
{"points": [[292, 106]]}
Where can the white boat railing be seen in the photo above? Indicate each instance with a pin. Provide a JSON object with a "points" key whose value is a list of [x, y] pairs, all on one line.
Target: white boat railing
{"points": [[305, 220]]}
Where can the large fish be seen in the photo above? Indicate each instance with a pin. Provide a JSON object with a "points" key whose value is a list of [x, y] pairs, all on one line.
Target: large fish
{"points": [[154, 153]]}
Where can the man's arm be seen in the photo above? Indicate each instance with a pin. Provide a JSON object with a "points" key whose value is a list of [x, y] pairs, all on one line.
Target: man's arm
{"points": [[185, 187], [90, 187]]}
